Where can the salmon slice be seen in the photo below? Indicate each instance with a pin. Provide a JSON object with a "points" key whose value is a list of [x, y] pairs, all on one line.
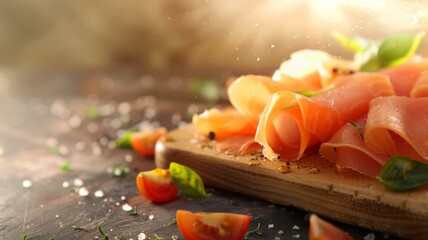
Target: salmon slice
{"points": [[348, 150], [404, 77], [249, 95], [223, 123], [421, 86], [314, 67], [291, 123], [238, 145], [398, 126]]}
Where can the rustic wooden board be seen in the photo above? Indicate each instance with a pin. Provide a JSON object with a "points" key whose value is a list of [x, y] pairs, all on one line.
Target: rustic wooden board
{"points": [[353, 199]]}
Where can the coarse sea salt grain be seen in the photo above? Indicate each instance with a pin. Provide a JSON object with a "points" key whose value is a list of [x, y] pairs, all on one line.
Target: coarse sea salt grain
{"points": [[27, 183], [270, 226], [126, 207], [295, 227], [78, 182], [65, 184], [83, 192], [151, 217], [99, 193], [141, 236], [295, 236]]}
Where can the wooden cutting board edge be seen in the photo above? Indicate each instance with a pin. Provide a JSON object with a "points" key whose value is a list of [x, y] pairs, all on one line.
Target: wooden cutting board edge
{"points": [[354, 199]]}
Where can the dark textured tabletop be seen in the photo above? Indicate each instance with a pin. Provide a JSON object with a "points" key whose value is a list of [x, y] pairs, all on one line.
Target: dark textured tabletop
{"points": [[61, 176]]}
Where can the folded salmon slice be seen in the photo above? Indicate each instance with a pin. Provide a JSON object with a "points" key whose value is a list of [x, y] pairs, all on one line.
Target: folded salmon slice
{"points": [[249, 95], [421, 86], [404, 77], [348, 150], [398, 126], [222, 123], [291, 123]]}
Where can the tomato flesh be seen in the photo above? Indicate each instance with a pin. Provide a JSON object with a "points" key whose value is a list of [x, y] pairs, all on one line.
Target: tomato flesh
{"points": [[212, 226], [156, 185], [144, 142], [323, 230]]}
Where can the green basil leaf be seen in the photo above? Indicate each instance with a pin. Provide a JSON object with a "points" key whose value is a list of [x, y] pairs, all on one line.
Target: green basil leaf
{"points": [[396, 50], [353, 45], [402, 173], [372, 65], [124, 141], [188, 182]]}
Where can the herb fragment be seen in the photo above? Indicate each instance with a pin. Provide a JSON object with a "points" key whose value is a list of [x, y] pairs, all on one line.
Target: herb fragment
{"points": [[403, 173], [124, 141], [359, 128], [93, 113], [65, 166], [173, 222], [24, 237], [188, 182], [120, 171], [372, 56], [103, 235], [311, 93], [257, 231], [158, 237], [134, 212]]}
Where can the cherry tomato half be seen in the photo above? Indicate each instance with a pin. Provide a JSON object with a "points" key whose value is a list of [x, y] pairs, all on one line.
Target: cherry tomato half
{"points": [[144, 142], [212, 226], [323, 230], [156, 185]]}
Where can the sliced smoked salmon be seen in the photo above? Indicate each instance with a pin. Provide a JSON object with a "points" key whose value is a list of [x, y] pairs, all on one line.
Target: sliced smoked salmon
{"points": [[348, 150], [291, 123], [404, 77], [222, 123], [421, 86], [398, 126]]}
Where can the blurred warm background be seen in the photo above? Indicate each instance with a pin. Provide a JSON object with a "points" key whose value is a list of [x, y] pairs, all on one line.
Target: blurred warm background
{"points": [[189, 36]]}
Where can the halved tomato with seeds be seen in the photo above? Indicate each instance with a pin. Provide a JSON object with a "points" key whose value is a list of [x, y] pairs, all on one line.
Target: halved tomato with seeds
{"points": [[212, 226], [144, 142], [323, 230], [156, 185]]}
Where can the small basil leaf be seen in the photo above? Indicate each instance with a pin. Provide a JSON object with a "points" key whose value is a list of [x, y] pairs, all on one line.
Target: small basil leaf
{"points": [[372, 65], [353, 45], [402, 173], [124, 141], [396, 50], [188, 182]]}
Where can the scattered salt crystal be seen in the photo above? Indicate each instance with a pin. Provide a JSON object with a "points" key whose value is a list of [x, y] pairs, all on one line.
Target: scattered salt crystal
{"points": [[296, 236], [124, 108], [258, 59], [92, 127], [295, 227], [99, 193], [79, 146], [83, 192], [141, 236], [126, 207], [280, 232], [270, 226], [128, 158], [63, 150], [151, 217], [117, 203], [78, 182], [277, 238], [174, 237], [42, 206], [111, 229], [51, 142], [370, 236], [75, 121], [57, 216], [65, 184], [123, 198], [27, 183], [272, 46]]}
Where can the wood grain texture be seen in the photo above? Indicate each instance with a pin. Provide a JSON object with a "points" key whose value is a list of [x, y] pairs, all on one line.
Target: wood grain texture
{"points": [[350, 198]]}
